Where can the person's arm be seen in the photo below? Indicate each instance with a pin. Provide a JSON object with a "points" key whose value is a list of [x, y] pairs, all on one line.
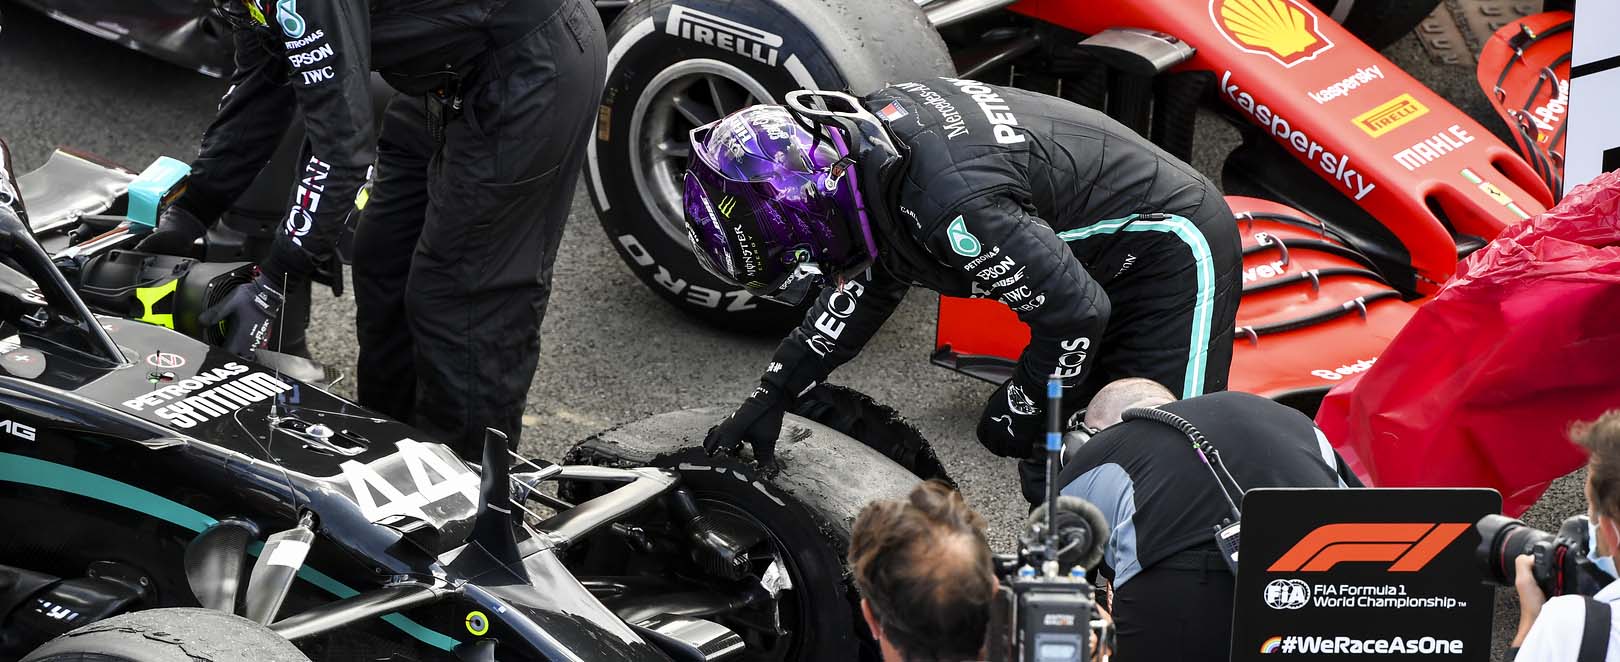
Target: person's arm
{"points": [[1531, 598], [253, 115], [327, 46], [834, 330], [326, 49], [1102, 650], [1014, 257], [1555, 634], [1347, 478], [1335, 463]]}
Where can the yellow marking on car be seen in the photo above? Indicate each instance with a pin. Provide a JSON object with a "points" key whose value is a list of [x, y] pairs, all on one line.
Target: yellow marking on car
{"points": [[150, 296], [1391, 115], [477, 623]]}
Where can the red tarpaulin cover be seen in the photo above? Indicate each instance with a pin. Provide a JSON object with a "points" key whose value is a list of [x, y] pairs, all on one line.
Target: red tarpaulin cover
{"points": [[1480, 387]]}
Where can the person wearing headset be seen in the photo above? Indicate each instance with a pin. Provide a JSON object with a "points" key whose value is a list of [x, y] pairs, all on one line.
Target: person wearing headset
{"points": [[1171, 587]]}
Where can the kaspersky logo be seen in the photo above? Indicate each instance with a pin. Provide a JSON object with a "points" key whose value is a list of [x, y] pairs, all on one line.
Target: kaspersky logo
{"points": [[1282, 30], [1407, 547]]}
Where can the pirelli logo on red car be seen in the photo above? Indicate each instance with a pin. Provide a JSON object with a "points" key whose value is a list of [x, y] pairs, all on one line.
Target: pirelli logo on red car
{"points": [[1283, 30], [1406, 547], [1391, 115]]}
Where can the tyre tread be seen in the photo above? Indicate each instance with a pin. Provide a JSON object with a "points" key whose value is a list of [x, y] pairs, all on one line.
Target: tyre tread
{"points": [[820, 493], [1380, 23], [161, 635], [876, 425]]}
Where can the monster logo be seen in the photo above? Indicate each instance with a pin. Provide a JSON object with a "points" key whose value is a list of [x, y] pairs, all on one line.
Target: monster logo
{"points": [[1279, 29]]}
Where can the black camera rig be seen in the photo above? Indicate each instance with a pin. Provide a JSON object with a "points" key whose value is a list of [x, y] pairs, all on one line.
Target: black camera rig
{"points": [[1045, 610]]}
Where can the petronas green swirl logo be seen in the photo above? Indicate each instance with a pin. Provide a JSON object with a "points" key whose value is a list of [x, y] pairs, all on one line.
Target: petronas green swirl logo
{"points": [[962, 241], [287, 16]]}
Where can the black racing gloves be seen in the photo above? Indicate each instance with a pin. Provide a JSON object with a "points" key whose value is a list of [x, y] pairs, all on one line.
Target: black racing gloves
{"points": [[794, 370], [250, 312], [758, 421], [1012, 422], [177, 233]]}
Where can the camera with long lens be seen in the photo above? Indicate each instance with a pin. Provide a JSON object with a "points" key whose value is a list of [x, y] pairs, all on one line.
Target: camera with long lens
{"points": [[1045, 610], [1561, 566]]}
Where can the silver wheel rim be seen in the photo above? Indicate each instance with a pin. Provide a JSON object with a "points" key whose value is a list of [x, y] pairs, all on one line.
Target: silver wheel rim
{"points": [[680, 98]]}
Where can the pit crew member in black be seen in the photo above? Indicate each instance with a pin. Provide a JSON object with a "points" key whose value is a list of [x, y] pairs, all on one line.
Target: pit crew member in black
{"points": [[475, 171], [1122, 260], [1172, 592]]}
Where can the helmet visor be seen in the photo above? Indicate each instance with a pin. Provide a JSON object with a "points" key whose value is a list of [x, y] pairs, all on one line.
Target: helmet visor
{"points": [[762, 198], [788, 279], [701, 219], [737, 152]]}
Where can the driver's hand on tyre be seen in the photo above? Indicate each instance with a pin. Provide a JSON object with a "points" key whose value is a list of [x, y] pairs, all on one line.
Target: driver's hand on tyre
{"points": [[758, 421], [249, 312], [1011, 421], [177, 233]]}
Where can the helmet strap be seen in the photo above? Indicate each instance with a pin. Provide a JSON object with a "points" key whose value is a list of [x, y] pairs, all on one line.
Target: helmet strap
{"points": [[841, 166]]}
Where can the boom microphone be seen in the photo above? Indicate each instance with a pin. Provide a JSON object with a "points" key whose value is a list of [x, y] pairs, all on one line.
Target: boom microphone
{"points": [[1082, 531]]}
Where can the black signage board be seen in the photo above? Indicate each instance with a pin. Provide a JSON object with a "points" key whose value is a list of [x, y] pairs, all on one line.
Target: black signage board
{"points": [[1359, 574]]}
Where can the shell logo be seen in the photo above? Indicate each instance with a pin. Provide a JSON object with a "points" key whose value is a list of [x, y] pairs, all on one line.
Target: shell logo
{"points": [[1283, 30]]}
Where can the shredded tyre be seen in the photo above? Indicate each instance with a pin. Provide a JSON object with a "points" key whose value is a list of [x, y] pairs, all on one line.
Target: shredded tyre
{"points": [[809, 507], [877, 426], [170, 635]]}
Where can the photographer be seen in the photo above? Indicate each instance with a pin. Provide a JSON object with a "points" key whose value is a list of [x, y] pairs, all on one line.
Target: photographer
{"points": [[1572, 628], [1172, 587], [925, 575], [927, 578]]}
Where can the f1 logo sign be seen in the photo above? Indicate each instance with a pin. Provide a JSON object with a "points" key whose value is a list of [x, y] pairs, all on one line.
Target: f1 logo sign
{"points": [[1407, 547]]}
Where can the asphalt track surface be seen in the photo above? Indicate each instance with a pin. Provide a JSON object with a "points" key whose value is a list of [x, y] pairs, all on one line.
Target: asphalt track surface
{"points": [[612, 351]]}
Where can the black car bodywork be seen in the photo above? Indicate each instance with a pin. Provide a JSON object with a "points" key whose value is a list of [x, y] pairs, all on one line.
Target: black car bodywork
{"points": [[123, 445], [97, 451], [181, 31]]}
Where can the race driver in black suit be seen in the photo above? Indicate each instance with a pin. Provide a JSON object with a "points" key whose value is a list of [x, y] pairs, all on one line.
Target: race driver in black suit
{"points": [[1123, 260], [478, 158]]}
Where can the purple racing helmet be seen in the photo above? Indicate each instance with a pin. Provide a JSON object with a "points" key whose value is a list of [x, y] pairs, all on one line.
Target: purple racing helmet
{"points": [[772, 208]]}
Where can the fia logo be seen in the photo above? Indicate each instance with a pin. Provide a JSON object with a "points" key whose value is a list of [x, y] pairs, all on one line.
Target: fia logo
{"points": [[1287, 594]]}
